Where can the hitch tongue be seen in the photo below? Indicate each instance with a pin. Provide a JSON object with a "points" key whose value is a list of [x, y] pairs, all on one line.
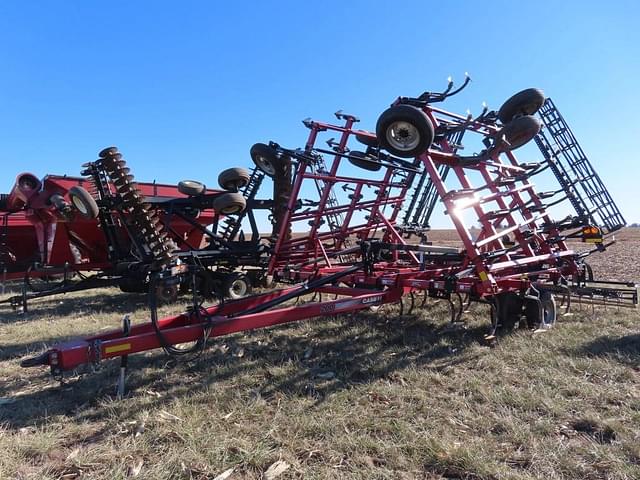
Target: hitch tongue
{"points": [[42, 359]]}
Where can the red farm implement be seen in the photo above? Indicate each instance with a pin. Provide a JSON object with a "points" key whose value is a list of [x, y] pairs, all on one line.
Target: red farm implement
{"points": [[344, 219], [57, 237]]}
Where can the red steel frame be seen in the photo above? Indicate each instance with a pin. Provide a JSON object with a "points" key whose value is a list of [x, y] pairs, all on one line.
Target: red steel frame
{"points": [[484, 267], [291, 258], [313, 245]]}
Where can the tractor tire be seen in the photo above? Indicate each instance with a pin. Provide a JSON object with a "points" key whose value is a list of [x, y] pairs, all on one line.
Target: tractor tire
{"points": [[236, 285], [233, 179], [404, 131], [368, 141], [191, 188], [364, 161], [549, 312], [266, 159], [520, 131], [229, 203], [83, 202], [526, 102]]}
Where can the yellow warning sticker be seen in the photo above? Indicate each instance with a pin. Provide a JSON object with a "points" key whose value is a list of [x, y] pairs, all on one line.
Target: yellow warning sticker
{"points": [[483, 276], [117, 348]]}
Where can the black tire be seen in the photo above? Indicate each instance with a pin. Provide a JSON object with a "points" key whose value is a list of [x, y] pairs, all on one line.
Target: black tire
{"points": [[83, 202], [229, 203], [367, 140], [404, 131], [191, 188], [364, 161], [167, 293], [509, 310], [236, 285], [132, 285], [108, 152], [526, 102], [549, 312], [520, 131], [27, 181], [266, 159], [234, 178]]}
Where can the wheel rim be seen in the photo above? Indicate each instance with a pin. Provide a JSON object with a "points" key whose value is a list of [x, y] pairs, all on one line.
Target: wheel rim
{"points": [[238, 288], [403, 136], [265, 165], [79, 204]]}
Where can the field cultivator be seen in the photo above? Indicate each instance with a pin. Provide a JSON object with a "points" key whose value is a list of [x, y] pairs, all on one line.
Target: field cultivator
{"points": [[68, 234], [345, 219]]}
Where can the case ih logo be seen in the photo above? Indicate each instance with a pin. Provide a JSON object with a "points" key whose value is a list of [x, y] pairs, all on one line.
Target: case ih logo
{"points": [[353, 302], [376, 299]]}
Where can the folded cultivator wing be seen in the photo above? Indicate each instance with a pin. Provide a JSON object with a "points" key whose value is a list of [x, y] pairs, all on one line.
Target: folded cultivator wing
{"points": [[350, 214]]}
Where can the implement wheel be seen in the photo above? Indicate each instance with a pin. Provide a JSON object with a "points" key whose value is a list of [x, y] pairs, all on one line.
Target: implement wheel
{"points": [[266, 159], [166, 293], [191, 188], [526, 102], [404, 131], [364, 161], [549, 313], [236, 285], [83, 202], [520, 131], [368, 141], [509, 310], [234, 179], [229, 203]]}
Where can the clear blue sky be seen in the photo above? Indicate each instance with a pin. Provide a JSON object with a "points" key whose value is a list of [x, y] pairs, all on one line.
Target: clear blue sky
{"points": [[185, 88]]}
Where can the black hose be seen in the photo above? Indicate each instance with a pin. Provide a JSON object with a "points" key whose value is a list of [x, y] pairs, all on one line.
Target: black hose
{"points": [[197, 310]]}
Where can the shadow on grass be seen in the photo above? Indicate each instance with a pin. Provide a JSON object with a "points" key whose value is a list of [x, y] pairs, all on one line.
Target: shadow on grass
{"points": [[625, 349], [344, 353], [61, 305]]}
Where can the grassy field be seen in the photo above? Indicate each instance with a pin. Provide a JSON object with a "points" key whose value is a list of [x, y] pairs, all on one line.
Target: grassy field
{"points": [[368, 397]]}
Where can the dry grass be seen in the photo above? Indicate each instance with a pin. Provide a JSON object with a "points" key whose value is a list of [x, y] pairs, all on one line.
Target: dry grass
{"points": [[373, 397]]}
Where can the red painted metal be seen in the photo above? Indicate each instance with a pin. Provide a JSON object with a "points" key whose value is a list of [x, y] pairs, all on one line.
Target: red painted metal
{"points": [[481, 269], [37, 233]]}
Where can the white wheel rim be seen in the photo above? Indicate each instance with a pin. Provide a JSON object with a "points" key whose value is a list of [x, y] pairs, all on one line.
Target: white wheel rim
{"points": [[266, 165], [238, 288], [403, 136], [80, 206]]}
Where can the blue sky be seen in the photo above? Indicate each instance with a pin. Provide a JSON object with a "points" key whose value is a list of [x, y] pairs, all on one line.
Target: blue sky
{"points": [[185, 88]]}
